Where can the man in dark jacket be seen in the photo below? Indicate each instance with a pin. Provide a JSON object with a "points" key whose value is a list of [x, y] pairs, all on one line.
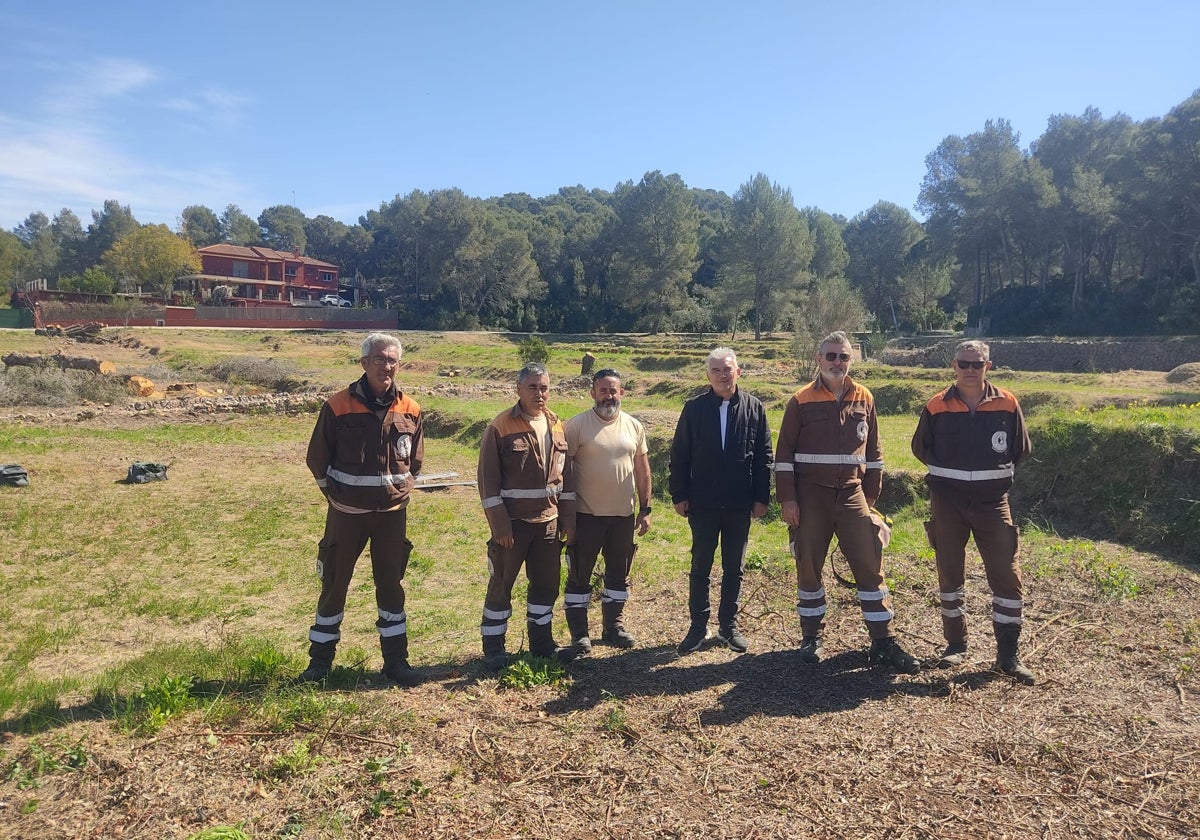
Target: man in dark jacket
{"points": [[720, 476], [365, 451], [970, 437]]}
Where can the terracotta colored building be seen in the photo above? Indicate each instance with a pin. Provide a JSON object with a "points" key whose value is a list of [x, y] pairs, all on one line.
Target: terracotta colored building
{"points": [[261, 275]]}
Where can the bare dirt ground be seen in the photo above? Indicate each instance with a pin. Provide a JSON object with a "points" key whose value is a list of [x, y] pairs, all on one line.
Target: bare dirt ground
{"points": [[646, 743]]}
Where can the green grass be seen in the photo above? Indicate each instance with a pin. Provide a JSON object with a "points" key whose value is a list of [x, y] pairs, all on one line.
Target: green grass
{"points": [[106, 597]]}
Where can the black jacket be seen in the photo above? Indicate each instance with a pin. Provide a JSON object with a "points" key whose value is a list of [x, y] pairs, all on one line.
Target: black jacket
{"points": [[707, 476]]}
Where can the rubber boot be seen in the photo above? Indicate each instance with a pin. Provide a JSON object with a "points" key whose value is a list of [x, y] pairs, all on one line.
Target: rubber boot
{"points": [[395, 661], [541, 643], [614, 626], [577, 624], [494, 656], [1008, 660], [320, 661]]}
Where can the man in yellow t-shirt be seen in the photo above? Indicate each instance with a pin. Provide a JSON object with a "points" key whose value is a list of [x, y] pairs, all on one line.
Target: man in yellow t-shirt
{"points": [[605, 500]]}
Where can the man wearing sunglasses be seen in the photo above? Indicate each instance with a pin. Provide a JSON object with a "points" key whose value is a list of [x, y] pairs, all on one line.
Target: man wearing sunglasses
{"points": [[970, 437], [366, 449], [828, 475]]}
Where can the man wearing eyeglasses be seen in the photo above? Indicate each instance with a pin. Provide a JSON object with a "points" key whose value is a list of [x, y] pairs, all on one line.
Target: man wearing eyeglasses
{"points": [[366, 449], [522, 459], [828, 476], [599, 509], [970, 438]]}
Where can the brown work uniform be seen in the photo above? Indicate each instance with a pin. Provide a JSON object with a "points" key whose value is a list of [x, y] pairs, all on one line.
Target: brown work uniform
{"points": [[364, 454], [971, 456], [519, 484], [829, 461]]}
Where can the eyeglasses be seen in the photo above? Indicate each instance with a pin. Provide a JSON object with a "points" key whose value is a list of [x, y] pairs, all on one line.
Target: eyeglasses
{"points": [[833, 357], [385, 361], [963, 364]]}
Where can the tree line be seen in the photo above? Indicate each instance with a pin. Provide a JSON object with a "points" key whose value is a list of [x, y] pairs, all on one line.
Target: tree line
{"points": [[1094, 228]]}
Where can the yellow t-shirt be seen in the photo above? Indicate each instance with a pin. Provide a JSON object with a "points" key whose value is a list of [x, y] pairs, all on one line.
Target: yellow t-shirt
{"points": [[602, 453]]}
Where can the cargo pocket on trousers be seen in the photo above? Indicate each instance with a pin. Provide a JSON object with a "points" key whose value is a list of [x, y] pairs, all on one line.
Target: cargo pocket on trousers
{"points": [[325, 559], [929, 534]]}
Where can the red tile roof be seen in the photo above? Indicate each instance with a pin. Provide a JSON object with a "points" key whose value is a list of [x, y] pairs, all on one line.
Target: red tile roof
{"points": [[260, 253]]}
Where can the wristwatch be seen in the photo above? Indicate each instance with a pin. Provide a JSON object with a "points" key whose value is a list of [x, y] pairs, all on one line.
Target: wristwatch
{"points": [[645, 511]]}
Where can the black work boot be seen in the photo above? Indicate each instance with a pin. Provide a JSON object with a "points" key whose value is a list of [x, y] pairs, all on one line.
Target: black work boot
{"points": [[954, 655], [395, 661], [494, 656], [811, 649], [577, 624], [1008, 661], [541, 643], [614, 626], [320, 661], [888, 653]]}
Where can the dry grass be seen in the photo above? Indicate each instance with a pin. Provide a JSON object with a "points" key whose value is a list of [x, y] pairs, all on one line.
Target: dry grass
{"points": [[641, 743]]}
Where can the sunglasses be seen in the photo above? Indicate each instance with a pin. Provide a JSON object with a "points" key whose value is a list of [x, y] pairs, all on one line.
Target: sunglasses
{"points": [[833, 357], [963, 364]]}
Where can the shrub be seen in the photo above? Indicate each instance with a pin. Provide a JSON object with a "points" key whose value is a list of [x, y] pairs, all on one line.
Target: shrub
{"points": [[533, 349], [251, 370]]}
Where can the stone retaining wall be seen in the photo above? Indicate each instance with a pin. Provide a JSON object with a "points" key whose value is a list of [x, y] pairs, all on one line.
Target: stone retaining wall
{"points": [[1077, 355]]}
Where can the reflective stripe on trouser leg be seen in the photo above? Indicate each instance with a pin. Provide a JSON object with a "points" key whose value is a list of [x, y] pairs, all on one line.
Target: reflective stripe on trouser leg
{"points": [[326, 629], [954, 618], [810, 607], [1007, 611], [877, 611], [495, 622]]}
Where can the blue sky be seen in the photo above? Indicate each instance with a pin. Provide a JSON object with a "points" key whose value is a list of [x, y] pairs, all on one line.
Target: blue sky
{"points": [[342, 106]]}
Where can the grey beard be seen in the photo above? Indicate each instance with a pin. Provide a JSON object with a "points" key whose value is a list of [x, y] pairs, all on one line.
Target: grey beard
{"points": [[608, 412]]}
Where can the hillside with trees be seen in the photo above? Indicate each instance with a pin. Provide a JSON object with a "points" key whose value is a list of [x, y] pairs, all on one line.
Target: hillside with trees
{"points": [[1093, 228]]}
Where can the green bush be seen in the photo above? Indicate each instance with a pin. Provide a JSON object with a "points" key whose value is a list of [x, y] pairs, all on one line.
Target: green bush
{"points": [[533, 349], [1118, 474], [899, 398]]}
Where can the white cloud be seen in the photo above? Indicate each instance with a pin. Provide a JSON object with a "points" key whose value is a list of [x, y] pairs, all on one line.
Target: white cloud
{"points": [[73, 146]]}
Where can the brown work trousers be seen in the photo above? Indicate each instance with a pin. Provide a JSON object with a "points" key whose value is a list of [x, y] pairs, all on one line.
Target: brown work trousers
{"points": [[345, 537], [955, 517], [536, 547], [825, 511]]}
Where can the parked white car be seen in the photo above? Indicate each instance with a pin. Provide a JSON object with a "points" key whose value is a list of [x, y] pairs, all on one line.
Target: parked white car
{"points": [[335, 300]]}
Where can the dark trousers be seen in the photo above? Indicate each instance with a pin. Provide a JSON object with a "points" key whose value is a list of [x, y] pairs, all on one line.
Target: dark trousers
{"points": [[954, 518], [612, 535], [732, 529], [346, 535]]}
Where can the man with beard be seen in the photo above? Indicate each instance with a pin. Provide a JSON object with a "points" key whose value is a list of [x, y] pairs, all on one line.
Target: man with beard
{"points": [[608, 473], [366, 449], [521, 461], [828, 475]]}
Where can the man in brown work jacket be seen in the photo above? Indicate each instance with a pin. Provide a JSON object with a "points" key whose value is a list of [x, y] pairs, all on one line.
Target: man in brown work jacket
{"points": [[365, 451], [970, 437], [828, 475], [521, 461]]}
